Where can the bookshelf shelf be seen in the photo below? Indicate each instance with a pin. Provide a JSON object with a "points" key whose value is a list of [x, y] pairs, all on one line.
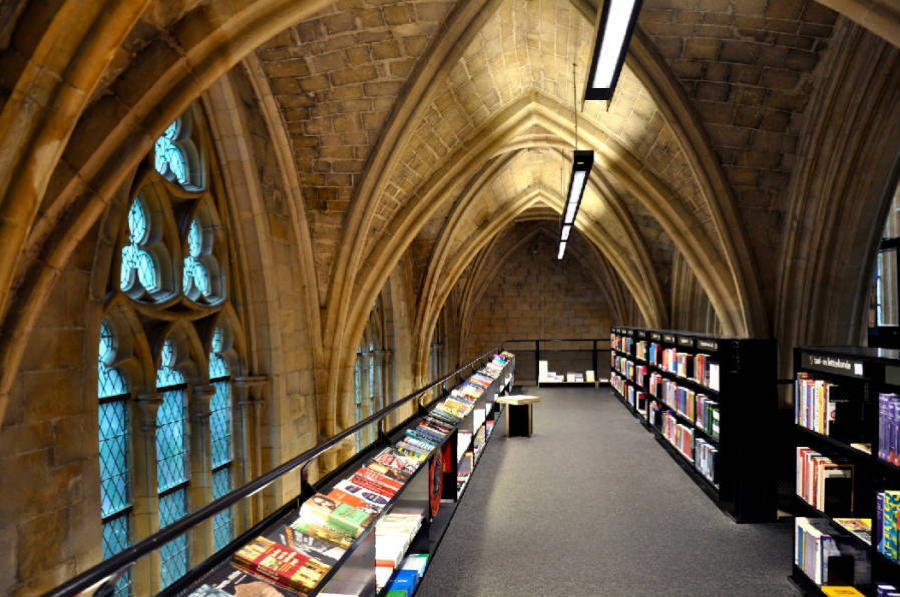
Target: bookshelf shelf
{"points": [[354, 572], [739, 391], [843, 392]]}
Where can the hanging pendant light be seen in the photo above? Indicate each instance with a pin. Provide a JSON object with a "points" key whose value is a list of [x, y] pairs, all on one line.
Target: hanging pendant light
{"points": [[582, 161], [617, 21]]}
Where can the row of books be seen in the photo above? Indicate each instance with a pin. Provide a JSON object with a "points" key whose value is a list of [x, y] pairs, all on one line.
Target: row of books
{"points": [[706, 456], [329, 523], [701, 452], [824, 483], [889, 427], [815, 403], [700, 368], [679, 435], [828, 558], [707, 415], [393, 535], [623, 366]]}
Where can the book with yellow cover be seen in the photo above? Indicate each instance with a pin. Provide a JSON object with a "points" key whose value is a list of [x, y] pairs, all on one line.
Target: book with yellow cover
{"points": [[841, 592]]}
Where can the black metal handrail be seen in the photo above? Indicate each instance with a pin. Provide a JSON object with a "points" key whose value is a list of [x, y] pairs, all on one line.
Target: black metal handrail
{"points": [[112, 565]]}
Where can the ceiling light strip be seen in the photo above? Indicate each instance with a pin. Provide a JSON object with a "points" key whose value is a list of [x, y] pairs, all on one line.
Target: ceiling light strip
{"points": [[582, 162], [614, 30]]}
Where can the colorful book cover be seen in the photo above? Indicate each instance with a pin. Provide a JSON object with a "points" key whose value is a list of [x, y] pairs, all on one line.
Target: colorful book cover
{"points": [[322, 532], [835, 591], [280, 564]]}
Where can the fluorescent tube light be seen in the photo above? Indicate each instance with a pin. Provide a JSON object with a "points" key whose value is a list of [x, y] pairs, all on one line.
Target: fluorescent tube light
{"points": [[616, 24], [582, 162]]}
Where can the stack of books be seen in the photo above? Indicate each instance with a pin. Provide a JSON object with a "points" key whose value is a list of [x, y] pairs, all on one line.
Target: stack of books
{"points": [[814, 545], [825, 484], [393, 535]]}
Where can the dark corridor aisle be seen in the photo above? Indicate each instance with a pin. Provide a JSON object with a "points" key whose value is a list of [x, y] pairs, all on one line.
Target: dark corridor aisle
{"points": [[592, 506]]}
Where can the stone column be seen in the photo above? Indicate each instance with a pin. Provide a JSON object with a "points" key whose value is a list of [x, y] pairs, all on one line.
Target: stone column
{"points": [[145, 512], [249, 393]]}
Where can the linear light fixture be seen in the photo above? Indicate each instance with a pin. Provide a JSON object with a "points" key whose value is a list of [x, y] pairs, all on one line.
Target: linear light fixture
{"points": [[582, 162], [617, 21]]}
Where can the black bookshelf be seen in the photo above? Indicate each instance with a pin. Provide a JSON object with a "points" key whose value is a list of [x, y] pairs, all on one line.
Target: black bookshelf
{"points": [[860, 375], [744, 486], [355, 572]]}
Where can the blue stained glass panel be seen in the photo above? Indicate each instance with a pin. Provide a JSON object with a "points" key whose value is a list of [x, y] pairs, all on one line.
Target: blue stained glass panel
{"points": [[223, 524], [135, 260], [170, 160], [174, 554], [115, 538], [220, 423], [113, 432], [171, 440]]}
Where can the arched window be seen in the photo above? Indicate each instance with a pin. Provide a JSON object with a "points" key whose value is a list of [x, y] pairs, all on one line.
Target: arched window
{"points": [[172, 271], [370, 387], [438, 354], [172, 461], [113, 425], [220, 431], [884, 301]]}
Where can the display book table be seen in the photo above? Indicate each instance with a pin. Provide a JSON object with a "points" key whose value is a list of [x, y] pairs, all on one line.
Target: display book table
{"points": [[846, 452], [433, 491], [706, 399]]}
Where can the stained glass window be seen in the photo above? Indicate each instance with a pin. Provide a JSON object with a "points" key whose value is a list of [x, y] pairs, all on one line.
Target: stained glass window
{"points": [[139, 267], [196, 274], [220, 432], [113, 436], [171, 161], [172, 460]]}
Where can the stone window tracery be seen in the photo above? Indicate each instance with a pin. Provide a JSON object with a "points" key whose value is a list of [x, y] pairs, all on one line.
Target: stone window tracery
{"points": [[170, 274]]}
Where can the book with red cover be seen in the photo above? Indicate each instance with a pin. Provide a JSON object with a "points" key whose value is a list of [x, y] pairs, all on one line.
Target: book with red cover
{"points": [[383, 480], [281, 565]]}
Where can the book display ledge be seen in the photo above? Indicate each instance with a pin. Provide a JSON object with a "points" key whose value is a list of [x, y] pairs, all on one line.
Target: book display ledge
{"points": [[370, 527], [703, 398], [847, 482]]}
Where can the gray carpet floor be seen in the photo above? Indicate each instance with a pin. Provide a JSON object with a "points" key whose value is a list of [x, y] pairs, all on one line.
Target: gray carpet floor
{"points": [[591, 505]]}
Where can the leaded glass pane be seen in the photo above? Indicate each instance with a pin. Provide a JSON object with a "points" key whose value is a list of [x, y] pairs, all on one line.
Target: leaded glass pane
{"points": [[113, 431], [170, 160], [173, 555], [110, 382], [171, 440], [223, 525], [220, 423], [115, 538]]}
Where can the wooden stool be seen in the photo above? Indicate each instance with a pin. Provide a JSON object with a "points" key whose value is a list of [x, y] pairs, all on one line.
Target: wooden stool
{"points": [[518, 416]]}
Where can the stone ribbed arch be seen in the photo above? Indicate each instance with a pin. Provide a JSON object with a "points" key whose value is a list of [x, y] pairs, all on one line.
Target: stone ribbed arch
{"points": [[839, 195], [632, 257], [113, 134], [630, 261]]}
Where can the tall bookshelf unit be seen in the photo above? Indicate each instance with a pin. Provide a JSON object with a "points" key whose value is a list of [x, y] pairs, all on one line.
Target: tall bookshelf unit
{"points": [[852, 437], [725, 452]]}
